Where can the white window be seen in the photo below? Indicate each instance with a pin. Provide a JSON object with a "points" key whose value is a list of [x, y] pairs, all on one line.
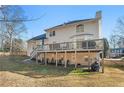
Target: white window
{"points": [[52, 33], [80, 28]]}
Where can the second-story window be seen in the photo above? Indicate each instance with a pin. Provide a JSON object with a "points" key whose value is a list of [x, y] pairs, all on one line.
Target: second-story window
{"points": [[52, 33], [80, 28]]}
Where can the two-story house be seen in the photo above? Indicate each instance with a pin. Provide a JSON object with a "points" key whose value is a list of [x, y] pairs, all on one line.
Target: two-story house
{"points": [[77, 30], [74, 42]]}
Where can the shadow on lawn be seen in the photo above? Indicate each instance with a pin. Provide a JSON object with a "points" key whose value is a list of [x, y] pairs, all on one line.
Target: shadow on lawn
{"points": [[121, 67], [15, 64], [114, 64], [45, 71]]}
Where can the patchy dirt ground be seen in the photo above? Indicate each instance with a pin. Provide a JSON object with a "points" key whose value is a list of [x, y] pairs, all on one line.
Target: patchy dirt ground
{"points": [[14, 73]]}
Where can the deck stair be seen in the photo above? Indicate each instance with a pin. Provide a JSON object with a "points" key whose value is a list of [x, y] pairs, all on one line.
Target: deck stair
{"points": [[34, 53]]}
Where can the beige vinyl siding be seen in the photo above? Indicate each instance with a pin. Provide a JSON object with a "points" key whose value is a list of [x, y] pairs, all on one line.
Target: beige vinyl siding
{"points": [[68, 33]]}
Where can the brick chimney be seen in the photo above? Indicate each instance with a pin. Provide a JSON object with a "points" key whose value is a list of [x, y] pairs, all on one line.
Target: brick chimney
{"points": [[98, 14]]}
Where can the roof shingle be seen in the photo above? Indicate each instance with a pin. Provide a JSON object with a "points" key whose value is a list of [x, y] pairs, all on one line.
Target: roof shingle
{"points": [[39, 37], [71, 22]]}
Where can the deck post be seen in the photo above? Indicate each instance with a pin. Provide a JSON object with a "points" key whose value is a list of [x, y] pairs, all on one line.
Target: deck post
{"points": [[75, 59], [103, 58], [89, 59], [65, 59], [36, 57], [45, 58], [41, 57], [102, 61], [56, 59]]}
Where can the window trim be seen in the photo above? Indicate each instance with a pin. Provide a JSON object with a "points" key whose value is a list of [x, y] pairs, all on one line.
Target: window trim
{"points": [[79, 28], [52, 33]]}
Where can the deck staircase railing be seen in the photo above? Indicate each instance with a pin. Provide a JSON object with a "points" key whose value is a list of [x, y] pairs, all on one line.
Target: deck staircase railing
{"points": [[34, 52]]}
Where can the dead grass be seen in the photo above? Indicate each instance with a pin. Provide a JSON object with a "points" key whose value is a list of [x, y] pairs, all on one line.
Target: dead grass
{"points": [[13, 72]]}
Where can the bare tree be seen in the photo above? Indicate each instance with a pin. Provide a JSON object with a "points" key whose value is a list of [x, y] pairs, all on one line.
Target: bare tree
{"points": [[12, 20], [118, 33], [114, 41], [120, 27], [12, 29]]}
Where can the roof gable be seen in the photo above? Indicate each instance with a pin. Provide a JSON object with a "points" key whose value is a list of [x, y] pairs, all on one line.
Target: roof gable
{"points": [[71, 22]]}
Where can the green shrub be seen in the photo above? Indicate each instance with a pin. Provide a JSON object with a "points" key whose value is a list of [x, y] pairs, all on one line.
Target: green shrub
{"points": [[78, 70]]}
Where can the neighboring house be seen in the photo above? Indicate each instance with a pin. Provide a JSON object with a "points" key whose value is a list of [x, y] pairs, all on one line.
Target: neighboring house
{"points": [[34, 42], [116, 53], [78, 30]]}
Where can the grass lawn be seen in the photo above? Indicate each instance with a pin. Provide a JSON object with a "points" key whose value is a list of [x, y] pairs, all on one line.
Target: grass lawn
{"points": [[15, 72]]}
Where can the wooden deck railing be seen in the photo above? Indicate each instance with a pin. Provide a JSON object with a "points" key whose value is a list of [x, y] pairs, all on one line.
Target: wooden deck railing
{"points": [[87, 44]]}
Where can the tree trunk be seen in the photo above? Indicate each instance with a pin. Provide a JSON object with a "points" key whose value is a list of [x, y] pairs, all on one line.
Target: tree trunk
{"points": [[11, 44]]}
